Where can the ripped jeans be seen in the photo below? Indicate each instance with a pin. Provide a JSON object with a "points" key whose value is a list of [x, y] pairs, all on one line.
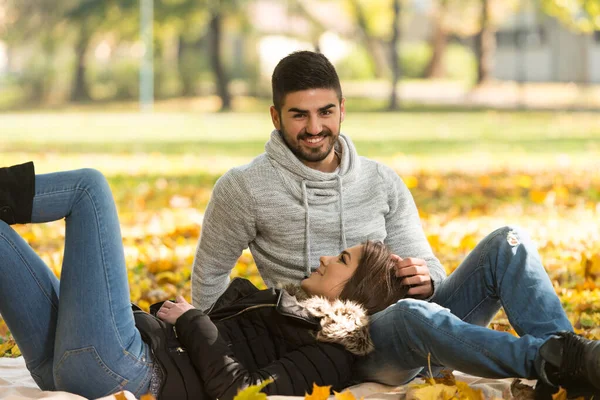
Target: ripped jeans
{"points": [[504, 270], [77, 334]]}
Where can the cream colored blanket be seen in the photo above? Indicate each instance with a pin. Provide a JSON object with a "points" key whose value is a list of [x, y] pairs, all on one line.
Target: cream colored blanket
{"points": [[17, 384]]}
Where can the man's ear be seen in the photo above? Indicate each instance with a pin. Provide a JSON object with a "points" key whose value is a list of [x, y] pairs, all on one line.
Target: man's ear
{"points": [[275, 117], [342, 109]]}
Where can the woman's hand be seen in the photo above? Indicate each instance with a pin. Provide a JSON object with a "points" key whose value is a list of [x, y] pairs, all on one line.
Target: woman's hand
{"points": [[169, 311], [414, 273]]}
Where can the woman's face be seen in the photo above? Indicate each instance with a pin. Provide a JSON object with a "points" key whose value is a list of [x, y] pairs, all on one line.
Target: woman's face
{"points": [[334, 271]]}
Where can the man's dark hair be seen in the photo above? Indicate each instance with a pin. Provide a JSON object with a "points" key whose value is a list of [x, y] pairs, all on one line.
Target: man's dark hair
{"points": [[374, 284], [303, 70]]}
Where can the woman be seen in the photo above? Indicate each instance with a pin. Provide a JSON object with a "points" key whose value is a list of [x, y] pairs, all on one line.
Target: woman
{"points": [[88, 343]]}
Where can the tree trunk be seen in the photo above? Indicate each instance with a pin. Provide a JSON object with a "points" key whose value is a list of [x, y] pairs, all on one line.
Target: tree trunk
{"points": [[80, 91], [372, 45], [187, 81], [439, 42], [394, 63], [214, 47], [485, 45]]}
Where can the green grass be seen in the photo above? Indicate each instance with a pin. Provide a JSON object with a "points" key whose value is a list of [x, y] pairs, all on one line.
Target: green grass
{"points": [[244, 134]]}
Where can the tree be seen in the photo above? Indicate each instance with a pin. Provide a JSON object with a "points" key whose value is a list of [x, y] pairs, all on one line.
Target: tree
{"points": [[214, 53], [439, 41], [467, 18], [88, 17], [394, 59], [580, 15], [485, 44]]}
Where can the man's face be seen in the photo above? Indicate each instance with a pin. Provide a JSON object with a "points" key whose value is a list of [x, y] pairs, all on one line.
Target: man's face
{"points": [[309, 123]]}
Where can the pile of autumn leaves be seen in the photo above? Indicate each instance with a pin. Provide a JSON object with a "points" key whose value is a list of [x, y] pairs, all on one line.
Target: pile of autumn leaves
{"points": [[161, 220]]}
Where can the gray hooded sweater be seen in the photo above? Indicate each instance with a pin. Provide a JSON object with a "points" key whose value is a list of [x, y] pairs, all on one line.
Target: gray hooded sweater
{"points": [[289, 215]]}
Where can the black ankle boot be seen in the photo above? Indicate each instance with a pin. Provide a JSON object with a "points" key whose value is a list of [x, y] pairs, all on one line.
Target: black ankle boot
{"points": [[17, 186], [572, 362]]}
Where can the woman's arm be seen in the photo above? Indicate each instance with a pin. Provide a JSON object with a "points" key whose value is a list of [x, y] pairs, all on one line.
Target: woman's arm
{"points": [[294, 373]]}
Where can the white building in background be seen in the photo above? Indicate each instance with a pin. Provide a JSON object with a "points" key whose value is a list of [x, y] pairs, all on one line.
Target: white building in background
{"points": [[533, 48]]}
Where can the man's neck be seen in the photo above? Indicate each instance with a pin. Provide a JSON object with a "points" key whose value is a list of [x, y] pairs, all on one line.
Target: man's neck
{"points": [[329, 164]]}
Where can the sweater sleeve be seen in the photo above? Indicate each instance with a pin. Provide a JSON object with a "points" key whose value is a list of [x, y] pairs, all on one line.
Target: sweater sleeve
{"points": [[294, 373], [405, 235], [227, 229]]}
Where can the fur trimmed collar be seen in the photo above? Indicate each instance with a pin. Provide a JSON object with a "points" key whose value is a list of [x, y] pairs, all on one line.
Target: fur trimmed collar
{"points": [[342, 321]]}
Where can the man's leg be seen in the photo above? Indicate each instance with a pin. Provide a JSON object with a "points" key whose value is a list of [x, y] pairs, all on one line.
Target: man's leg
{"points": [[504, 269]]}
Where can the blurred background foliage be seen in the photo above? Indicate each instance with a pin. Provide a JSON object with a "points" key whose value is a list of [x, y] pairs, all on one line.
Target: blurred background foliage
{"points": [[86, 51]]}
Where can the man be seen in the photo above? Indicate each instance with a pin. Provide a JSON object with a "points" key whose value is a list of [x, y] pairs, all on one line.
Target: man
{"points": [[310, 194]]}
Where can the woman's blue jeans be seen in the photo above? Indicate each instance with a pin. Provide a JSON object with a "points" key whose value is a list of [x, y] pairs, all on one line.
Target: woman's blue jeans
{"points": [[504, 270], [76, 335]]}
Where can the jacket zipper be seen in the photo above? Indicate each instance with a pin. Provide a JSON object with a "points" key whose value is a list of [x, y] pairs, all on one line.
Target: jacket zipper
{"points": [[248, 309]]}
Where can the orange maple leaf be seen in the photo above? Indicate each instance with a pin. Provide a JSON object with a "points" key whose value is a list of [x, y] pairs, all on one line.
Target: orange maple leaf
{"points": [[318, 393]]}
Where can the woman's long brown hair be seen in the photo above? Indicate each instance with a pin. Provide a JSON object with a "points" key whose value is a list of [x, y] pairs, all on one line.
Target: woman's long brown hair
{"points": [[374, 284]]}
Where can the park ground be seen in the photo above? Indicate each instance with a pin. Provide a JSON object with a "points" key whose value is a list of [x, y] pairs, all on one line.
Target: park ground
{"points": [[470, 171]]}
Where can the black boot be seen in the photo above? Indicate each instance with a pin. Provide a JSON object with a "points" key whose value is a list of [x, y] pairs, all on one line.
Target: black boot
{"points": [[17, 186], [572, 362]]}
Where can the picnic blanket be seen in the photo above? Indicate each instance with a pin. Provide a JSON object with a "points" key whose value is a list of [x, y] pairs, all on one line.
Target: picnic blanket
{"points": [[17, 384]]}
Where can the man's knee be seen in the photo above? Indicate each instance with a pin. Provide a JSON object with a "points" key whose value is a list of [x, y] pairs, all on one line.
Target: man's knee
{"points": [[412, 312]]}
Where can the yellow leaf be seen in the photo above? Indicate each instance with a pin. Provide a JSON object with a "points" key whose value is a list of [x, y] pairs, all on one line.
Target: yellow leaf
{"points": [[468, 242], [524, 181], [468, 393], [253, 392], [410, 181], [120, 396], [537, 196], [560, 395], [438, 391], [318, 393], [345, 395]]}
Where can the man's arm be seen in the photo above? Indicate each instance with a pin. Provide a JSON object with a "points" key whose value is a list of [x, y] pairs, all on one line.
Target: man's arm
{"points": [[405, 234], [227, 228]]}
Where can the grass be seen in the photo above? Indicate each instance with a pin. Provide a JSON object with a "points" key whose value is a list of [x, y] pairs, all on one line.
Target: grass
{"points": [[244, 134]]}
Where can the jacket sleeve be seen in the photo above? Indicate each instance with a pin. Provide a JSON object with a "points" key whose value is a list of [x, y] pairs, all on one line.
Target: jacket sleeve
{"points": [[294, 373], [227, 229], [405, 235]]}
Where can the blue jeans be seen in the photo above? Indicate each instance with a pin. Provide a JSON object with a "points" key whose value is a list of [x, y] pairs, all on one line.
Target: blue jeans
{"points": [[504, 270], [76, 335]]}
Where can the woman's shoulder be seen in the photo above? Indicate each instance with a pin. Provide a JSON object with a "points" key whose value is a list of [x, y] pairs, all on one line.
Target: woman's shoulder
{"points": [[341, 321]]}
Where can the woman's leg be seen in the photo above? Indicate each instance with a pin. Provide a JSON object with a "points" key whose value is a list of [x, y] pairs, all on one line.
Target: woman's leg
{"points": [[97, 348], [29, 304], [87, 344]]}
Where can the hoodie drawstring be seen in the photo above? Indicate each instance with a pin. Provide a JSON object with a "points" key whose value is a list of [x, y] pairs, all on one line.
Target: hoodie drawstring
{"points": [[307, 223], [342, 227], [306, 230]]}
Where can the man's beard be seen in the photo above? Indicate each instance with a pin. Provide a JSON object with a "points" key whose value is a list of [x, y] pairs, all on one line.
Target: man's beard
{"points": [[308, 154]]}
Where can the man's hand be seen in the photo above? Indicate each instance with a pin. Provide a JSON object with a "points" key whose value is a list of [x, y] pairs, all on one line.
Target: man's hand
{"points": [[414, 273], [169, 311]]}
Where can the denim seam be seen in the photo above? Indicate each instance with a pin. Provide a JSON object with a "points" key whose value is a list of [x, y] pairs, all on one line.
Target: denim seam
{"points": [[484, 253], [91, 349], [29, 268], [145, 382], [97, 214], [102, 247], [468, 344], [482, 256]]}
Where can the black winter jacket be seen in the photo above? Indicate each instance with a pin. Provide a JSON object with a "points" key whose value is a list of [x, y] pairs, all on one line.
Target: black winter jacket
{"points": [[250, 335]]}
